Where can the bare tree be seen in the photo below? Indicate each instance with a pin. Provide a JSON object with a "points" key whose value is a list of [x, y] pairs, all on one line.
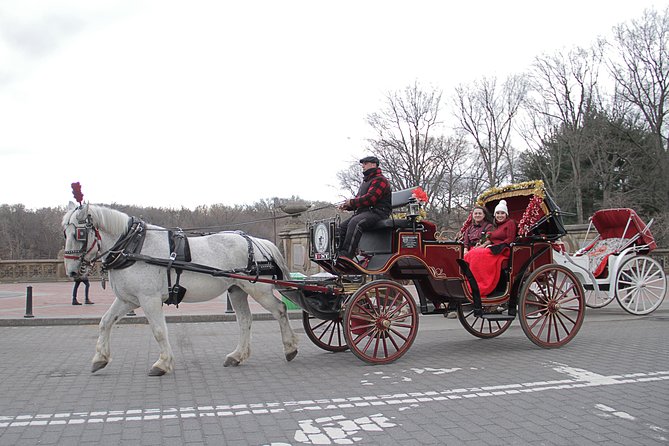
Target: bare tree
{"points": [[412, 154], [538, 132], [564, 90], [349, 179], [486, 112], [453, 191], [641, 71]]}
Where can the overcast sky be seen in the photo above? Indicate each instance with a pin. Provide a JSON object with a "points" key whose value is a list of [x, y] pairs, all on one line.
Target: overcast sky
{"points": [[171, 104]]}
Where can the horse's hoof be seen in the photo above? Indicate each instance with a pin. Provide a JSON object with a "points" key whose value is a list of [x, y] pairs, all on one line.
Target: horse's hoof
{"points": [[290, 356], [155, 371], [98, 365], [230, 362]]}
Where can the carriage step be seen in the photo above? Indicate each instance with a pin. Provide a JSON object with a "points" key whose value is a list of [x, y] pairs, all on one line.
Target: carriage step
{"points": [[431, 311], [497, 317]]}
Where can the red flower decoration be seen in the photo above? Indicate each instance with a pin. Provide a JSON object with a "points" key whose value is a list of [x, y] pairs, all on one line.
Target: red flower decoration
{"points": [[419, 194], [76, 191], [532, 214]]}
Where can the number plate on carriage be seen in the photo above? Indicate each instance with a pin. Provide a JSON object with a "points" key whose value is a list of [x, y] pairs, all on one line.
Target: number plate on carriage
{"points": [[321, 256], [409, 241]]}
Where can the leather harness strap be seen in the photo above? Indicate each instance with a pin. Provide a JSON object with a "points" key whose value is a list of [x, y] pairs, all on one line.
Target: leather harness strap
{"points": [[131, 242], [180, 251]]}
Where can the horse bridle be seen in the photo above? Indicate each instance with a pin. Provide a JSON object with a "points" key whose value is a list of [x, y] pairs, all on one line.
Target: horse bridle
{"points": [[81, 234]]}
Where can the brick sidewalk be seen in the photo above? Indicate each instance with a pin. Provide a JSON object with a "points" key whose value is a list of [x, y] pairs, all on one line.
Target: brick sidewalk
{"points": [[53, 301]]}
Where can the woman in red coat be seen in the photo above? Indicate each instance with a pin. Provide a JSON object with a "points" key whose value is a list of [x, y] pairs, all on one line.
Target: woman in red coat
{"points": [[485, 261]]}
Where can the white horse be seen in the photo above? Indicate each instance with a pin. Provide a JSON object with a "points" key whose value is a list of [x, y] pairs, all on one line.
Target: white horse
{"points": [[91, 231]]}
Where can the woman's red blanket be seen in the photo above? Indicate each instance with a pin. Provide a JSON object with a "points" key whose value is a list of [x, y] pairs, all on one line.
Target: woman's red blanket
{"points": [[486, 267]]}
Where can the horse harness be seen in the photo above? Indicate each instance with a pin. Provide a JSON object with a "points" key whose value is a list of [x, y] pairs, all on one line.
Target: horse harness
{"points": [[126, 251], [180, 258], [131, 242]]}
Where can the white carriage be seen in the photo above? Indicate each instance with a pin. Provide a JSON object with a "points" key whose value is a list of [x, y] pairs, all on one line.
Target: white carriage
{"points": [[616, 264]]}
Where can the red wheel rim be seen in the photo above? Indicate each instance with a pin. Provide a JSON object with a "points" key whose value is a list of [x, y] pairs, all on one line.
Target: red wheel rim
{"points": [[381, 322], [551, 307]]}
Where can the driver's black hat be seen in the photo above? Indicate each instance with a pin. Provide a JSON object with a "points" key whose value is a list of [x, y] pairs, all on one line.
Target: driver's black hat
{"points": [[370, 159]]}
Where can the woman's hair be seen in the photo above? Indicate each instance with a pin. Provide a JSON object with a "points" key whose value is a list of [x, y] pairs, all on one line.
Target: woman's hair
{"points": [[486, 214]]}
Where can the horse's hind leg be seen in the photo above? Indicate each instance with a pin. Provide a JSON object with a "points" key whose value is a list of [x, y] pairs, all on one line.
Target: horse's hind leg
{"points": [[102, 350], [240, 303], [153, 310], [264, 295]]}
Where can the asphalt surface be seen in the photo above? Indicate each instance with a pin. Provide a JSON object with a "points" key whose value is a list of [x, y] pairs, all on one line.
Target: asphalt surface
{"points": [[610, 386]]}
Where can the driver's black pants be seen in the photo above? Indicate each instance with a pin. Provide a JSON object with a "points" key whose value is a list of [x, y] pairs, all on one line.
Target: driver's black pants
{"points": [[350, 231]]}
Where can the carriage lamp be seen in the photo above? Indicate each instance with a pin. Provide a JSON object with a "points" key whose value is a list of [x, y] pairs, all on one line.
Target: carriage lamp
{"points": [[414, 208]]}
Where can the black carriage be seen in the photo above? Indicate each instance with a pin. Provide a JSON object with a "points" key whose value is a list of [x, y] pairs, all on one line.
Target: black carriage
{"points": [[365, 304]]}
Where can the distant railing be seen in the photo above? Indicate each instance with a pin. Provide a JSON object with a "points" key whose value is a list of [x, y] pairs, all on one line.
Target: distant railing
{"points": [[50, 270]]}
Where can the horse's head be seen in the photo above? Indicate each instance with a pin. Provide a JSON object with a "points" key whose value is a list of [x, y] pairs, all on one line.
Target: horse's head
{"points": [[82, 241]]}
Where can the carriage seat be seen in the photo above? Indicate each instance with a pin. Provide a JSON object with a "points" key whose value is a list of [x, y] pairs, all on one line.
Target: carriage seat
{"points": [[392, 223], [398, 199], [598, 254]]}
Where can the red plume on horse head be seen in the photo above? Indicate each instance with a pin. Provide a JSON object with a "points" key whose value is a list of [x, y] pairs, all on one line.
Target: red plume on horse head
{"points": [[76, 191]]}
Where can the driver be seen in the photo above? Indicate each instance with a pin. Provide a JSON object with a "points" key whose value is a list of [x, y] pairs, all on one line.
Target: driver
{"points": [[372, 204]]}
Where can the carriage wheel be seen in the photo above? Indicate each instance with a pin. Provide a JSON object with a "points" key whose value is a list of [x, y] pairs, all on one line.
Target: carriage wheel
{"points": [[597, 299], [380, 322], [640, 285], [551, 306], [479, 327], [326, 334]]}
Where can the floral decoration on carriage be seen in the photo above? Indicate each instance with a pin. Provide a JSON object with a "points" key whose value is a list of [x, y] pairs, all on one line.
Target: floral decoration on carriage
{"points": [[537, 215]]}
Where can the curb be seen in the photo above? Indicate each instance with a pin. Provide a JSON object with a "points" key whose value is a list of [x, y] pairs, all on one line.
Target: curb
{"points": [[188, 318]]}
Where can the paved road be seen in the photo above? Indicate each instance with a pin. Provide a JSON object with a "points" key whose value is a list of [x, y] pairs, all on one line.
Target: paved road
{"points": [[609, 386]]}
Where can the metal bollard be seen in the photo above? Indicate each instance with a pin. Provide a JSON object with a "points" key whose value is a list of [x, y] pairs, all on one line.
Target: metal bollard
{"points": [[29, 302], [228, 304]]}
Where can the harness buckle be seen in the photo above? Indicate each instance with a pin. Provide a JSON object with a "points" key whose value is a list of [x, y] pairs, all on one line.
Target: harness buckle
{"points": [[173, 256]]}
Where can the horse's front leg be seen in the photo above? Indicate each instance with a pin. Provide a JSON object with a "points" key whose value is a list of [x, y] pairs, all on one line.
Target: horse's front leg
{"points": [[102, 349], [153, 310], [240, 303]]}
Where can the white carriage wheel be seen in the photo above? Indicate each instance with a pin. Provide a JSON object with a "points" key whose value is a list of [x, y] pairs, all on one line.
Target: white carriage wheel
{"points": [[597, 299], [640, 285]]}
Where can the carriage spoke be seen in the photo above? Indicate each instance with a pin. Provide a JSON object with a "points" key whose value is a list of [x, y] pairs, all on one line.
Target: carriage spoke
{"points": [[561, 316], [367, 334], [541, 320], [393, 314], [539, 298], [554, 325], [367, 309], [333, 328]]}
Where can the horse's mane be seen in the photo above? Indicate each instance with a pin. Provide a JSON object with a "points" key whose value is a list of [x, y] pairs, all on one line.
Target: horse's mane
{"points": [[106, 219]]}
